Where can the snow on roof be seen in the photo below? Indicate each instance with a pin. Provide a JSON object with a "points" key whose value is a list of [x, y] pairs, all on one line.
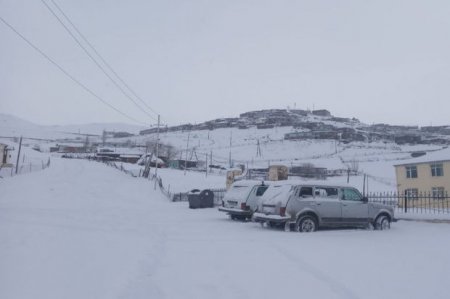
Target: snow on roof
{"points": [[247, 183], [436, 156], [277, 193]]}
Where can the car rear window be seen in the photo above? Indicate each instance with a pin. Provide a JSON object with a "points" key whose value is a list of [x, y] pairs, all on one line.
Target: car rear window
{"points": [[260, 191], [238, 191], [277, 193]]}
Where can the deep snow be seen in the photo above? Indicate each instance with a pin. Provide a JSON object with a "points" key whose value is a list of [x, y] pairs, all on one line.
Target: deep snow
{"points": [[80, 229]]}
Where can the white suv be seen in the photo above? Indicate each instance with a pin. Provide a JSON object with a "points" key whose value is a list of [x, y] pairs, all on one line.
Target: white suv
{"points": [[310, 206], [242, 200]]}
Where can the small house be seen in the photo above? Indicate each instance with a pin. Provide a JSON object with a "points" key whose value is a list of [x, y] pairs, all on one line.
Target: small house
{"points": [[5, 156]]}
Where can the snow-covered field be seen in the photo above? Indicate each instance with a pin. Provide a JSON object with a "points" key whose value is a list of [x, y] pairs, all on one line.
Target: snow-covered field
{"points": [[80, 229]]}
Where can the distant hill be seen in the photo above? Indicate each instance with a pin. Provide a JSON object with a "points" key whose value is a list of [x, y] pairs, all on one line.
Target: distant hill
{"points": [[303, 124], [319, 124], [12, 126]]}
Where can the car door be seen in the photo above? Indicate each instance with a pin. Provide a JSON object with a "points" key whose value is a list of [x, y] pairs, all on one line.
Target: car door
{"points": [[255, 196], [324, 201], [327, 204], [354, 209]]}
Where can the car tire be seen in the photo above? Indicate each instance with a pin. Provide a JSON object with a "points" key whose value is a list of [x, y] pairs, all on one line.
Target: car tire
{"points": [[382, 222], [306, 224]]}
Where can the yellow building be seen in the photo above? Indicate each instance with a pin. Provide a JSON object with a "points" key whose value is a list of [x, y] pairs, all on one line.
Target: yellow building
{"points": [[426, 177]]}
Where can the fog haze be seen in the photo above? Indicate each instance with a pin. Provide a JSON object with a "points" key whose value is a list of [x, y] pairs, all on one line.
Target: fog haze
{"points": [[191, 61]]}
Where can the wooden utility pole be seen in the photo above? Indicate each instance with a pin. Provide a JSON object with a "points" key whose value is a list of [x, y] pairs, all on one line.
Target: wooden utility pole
{"points": [[258, 149], [206, 165], [229, 158], [157, 152], [187, 148], [18, 155]]}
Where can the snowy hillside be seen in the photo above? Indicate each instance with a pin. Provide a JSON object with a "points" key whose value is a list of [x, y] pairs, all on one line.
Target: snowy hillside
{"points": [[250, 147], [374, 159]]}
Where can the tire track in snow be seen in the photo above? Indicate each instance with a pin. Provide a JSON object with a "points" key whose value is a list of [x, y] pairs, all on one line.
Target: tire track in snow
{"points": [[340, 289]]}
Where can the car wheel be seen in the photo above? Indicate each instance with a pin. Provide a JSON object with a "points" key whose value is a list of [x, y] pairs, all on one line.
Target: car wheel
{"points": [[306, 224], [382, 222]]}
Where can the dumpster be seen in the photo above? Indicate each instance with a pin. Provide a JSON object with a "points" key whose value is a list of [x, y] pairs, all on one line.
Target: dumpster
{"points": [[207, 199], [203, 199], [194, 199]]}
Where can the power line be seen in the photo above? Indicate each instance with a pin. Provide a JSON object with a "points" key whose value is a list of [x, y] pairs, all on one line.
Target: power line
{"points": [[101, 57], [66, 73], [95, 61]]}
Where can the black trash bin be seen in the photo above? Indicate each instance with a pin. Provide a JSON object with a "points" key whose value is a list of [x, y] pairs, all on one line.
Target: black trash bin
{"points": [[207, 199], [194, 199], [203, 199]]}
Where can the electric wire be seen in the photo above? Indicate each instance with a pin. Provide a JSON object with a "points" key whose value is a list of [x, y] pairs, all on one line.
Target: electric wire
{"points": [[95, 61], [101, 57], [66, 73]]}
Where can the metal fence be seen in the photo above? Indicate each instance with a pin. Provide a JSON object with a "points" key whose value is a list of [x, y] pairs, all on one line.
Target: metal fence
{"points": [[24, 168], [219, 193], [420, 203]]}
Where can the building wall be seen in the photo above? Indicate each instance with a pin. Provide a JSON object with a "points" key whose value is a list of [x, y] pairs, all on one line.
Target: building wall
{"points": [[424, 181]]}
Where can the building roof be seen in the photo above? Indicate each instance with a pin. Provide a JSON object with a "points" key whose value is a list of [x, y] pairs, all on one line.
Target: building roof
{"points": [[442, 155]]}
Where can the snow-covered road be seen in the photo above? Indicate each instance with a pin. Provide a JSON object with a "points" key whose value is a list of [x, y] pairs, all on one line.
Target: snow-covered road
{"points": [[82, 230]]}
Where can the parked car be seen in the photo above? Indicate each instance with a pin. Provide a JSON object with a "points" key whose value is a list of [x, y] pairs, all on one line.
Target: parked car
{"points": [[307, 207], [242, 199]]}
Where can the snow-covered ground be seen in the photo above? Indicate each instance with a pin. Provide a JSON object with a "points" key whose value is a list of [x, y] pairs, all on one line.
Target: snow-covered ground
{"points": [[80, 229]]}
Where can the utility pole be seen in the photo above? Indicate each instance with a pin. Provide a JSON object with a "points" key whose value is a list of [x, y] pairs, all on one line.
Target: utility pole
{"points": [[206, 165], [187, 147], [229, 158], [157, 151], [18, 155], [104, 138], [258, 149]]}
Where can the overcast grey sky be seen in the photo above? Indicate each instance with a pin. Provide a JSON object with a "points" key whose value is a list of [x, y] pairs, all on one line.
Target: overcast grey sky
{"points": [[191, 61]]}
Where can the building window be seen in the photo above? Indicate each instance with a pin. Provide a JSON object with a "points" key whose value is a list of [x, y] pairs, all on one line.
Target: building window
{"points": [[411, 193], [437, 192], [437, 169], [411, 172]]}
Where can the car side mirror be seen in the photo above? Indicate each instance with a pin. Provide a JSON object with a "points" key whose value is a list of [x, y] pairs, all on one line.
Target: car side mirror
{"points": [[365, 199]]}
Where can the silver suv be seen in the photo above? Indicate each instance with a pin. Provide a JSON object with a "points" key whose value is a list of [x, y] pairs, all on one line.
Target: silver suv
{"points": [[308, 207]]}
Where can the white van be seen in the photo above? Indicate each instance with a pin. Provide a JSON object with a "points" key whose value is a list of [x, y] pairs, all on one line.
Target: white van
{"points": [[242, 199]]}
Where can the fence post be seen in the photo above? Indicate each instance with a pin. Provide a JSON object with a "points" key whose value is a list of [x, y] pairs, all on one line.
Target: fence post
{"points": [[406, 204], [18, 155]]}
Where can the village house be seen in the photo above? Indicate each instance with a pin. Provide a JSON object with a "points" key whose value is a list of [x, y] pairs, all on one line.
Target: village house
{"points": [[428, 174], [5, 156]]}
